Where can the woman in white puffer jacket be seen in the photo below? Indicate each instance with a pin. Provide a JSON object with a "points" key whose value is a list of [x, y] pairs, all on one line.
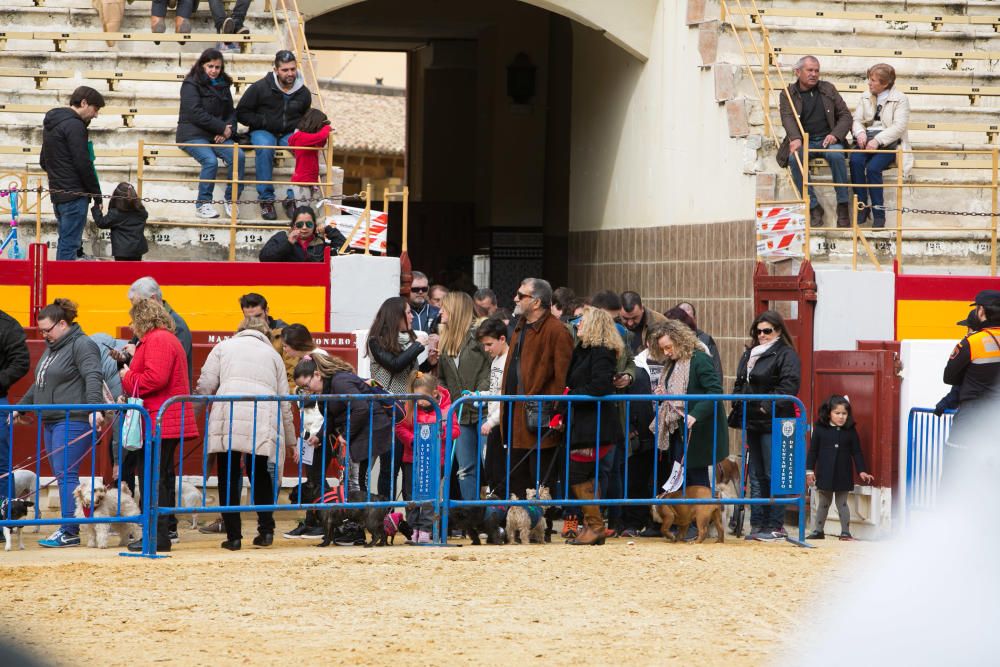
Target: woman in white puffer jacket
{"points": [[247, 365]]}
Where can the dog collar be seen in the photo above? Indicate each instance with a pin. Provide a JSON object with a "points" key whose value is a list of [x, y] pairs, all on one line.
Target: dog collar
{"points": [[86, 511]]}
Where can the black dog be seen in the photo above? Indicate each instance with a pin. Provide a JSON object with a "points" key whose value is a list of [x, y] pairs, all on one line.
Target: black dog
{"points": [[469, 519], [372, 519], [495, 522], [14, 510]]}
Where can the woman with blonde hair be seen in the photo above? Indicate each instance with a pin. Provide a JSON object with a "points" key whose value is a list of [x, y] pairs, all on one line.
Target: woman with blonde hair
{"points": [[880, 123], [463, 366], [158, 372], [594, 428], [247, 365], [691, 432]]}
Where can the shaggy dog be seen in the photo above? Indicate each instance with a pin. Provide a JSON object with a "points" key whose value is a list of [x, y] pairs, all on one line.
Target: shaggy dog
{"points": [[105, 503], [525, 523], [312, 421], [468, 519], [14, 510], [683, 515], [727, 485]]}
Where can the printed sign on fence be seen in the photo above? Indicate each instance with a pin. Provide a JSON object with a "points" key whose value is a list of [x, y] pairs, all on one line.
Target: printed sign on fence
{"points": [[377, 228], [782, 246], [425, 460], [788, 445], [775, 212]]}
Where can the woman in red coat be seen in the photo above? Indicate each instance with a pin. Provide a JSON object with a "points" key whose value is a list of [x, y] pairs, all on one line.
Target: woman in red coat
{"points": [[159, 371]]}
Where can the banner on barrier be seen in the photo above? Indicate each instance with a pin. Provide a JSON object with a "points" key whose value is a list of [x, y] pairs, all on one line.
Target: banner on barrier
{"points": [[781, 231], [785, 245], [788, 448], [425, 457]]}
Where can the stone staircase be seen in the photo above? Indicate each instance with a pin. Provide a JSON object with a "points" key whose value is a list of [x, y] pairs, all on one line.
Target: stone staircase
{"points": [[174, 231], [933, 249]]}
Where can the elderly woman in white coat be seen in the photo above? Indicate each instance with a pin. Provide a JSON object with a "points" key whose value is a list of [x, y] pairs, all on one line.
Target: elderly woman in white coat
{"points": [[247, 365], [879, 124]]}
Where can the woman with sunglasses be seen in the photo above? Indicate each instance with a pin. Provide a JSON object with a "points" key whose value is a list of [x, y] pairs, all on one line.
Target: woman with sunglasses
{"points": [[769, 366], [304, 241]]}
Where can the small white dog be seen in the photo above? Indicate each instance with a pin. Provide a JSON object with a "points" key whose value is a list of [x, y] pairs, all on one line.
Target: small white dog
{"points": [[191, 497], [105, 503], [24, 487]]}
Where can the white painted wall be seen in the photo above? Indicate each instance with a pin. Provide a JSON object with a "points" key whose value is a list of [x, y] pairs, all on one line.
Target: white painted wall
{"points": [[650, 146], [853, 306], [358, 286]]}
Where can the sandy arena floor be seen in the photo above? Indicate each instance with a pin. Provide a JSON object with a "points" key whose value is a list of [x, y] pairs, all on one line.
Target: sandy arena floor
{"points": [[650, 603]]}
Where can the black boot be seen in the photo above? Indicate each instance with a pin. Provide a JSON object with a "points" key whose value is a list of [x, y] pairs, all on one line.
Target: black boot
{"points": [[135, 546], [232, 545], [263, 540], [816, 216], [843, 215]]}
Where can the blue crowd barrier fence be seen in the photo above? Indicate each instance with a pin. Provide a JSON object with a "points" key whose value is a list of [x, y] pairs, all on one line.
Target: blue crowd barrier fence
{"points": [[71, 441], [787, 453], [350, 409], [926, 435]]}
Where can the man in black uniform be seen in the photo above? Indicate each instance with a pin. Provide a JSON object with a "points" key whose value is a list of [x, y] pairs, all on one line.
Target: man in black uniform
{"points": [[975, 367]]}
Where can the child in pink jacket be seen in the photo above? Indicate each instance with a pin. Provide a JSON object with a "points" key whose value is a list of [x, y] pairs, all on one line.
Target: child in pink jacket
{"points": [[426, 384]]}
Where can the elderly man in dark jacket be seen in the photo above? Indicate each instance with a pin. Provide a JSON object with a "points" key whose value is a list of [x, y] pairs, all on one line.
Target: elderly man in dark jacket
{"points": [[14, 364], [272, 108], [67, 157], [827, 120]]}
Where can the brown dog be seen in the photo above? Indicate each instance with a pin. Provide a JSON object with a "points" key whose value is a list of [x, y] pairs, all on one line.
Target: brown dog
{"points": [[682, 515]]}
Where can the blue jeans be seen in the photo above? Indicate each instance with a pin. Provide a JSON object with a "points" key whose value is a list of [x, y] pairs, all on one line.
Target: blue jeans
{"points": [[65, 463], [467, 460], [838, 169], [208, 157], [71, 216], [6, 476], [769, 517], [868, 168], [263, 160]]}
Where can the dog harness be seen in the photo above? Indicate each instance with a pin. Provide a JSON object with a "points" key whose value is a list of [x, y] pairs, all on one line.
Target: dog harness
{"points": [[334, 495], [391, 523], [535, 513]]}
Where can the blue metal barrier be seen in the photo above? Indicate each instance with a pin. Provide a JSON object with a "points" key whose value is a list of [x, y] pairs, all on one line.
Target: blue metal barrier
{"points": [[430, 460], [787, 452], [89, 439], [926, 434]]}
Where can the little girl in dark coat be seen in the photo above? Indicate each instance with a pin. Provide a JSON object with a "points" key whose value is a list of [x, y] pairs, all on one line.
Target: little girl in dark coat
{"points": [[126, 219], [835, 445]]}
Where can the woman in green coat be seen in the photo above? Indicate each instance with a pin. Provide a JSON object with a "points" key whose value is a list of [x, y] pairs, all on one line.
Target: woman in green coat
{"points": [[688, 370]]}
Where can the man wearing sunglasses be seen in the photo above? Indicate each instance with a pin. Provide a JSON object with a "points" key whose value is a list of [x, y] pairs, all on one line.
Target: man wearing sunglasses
{"points": [[424, 314], [272, 108], [305, 240]]}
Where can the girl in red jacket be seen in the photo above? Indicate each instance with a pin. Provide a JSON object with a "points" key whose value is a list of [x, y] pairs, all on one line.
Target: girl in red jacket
{"points": [[427, 385], [313, 131], [159, 371]]}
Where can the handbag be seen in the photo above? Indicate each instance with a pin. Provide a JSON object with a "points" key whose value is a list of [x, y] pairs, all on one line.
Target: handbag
{"points": [[871, 134], [132, 426], [534, 416]]}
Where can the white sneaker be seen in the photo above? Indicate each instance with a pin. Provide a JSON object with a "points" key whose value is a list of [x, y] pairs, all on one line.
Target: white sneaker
{"points": [[206, 211], [229, 209]]}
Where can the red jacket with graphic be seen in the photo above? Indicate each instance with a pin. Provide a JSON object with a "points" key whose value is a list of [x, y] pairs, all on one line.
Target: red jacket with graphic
{"points": [[404, 429]]}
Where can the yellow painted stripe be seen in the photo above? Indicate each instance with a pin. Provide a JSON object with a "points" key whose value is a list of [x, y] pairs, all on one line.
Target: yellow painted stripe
{"points": [[930, 319], [15, 300], [204, 308]]}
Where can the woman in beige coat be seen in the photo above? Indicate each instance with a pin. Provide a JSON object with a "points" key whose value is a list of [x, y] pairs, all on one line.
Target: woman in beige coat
{"points": [[243, 365], [879, 124]]}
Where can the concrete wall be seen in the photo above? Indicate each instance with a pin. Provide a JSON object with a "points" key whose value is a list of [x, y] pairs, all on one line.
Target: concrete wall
{"points": [[364, 67], [651, 146], [853, 306]]}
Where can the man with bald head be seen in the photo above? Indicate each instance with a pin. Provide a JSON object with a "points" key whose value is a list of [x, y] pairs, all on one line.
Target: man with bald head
{"points": [[824, 116]]}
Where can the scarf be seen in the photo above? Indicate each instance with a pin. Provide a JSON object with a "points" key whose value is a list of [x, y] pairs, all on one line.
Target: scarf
{"points": [[757, 352], [671, 413]]}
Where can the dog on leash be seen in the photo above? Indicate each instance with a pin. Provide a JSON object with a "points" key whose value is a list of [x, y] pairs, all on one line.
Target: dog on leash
{"points": [[526, 523], [495, 521], [683, 515], [395, 523], [24, 487], [372, 519], [13, 510], [727, 485], [105, 503], [469, 519], [190, 497]]}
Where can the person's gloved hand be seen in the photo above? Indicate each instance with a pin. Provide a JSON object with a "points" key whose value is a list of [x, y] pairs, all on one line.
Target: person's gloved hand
{"points": [[96, 212]]}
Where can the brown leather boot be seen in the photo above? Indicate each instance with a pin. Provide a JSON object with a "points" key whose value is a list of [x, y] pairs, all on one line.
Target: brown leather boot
{"points": [[593, 532], [843, 215], [816, 216]]}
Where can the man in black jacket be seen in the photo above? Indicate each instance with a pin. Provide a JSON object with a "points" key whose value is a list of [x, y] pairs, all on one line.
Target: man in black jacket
{"points": [[67, 158], [14, 364], [272, 108]]}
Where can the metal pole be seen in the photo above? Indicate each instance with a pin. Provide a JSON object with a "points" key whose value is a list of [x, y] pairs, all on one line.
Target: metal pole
{"points": [[993, 220], [368, 218], [854, 231], [406, 216], [899, 209], [38, 213], [234, 196], [139, 166]]}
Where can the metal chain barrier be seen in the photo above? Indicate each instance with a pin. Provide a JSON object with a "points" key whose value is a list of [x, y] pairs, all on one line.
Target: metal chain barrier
{"points": [[164, 200], [930, 211]]}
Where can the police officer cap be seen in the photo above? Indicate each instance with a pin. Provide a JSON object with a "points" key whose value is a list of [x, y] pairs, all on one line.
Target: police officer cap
{"points": [[989, 298], [972, 321]]}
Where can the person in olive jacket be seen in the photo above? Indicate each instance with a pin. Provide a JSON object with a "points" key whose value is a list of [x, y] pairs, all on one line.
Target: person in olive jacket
{"points": [[769, 366], [272, 108], [207, 118], [463, 366]]}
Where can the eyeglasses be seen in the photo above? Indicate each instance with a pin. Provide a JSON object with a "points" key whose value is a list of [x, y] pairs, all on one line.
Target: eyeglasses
{"points": [[419, 290], [522, 295], [304, 224], [45, 331], [767, 331]]}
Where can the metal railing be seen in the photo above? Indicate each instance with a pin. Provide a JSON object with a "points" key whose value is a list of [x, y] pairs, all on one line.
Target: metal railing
{"points": [[926, 435]]}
